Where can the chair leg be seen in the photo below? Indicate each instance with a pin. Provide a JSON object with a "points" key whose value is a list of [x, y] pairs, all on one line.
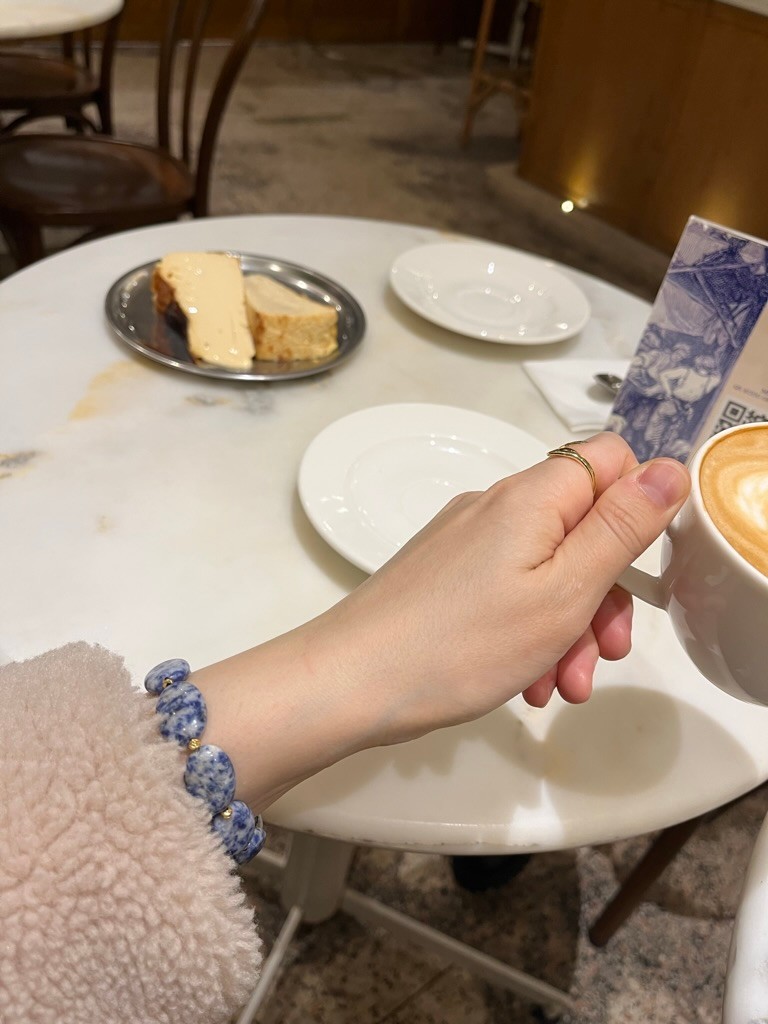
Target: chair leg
{"points": [[481, 42], [76, 123], [630, 894], [25, 240], [659, 855], [104, 104]]}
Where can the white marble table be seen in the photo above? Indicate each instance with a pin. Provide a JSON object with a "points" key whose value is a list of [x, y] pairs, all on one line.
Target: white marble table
{"points": [[28, 19], [156, 513]]}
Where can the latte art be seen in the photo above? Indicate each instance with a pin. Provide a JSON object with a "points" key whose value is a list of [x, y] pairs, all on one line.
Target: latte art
{"points": [[734, 488], [752, 499]]}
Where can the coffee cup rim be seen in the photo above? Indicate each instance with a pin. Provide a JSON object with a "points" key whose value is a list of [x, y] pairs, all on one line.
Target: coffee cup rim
{"points": [[694, 468]]}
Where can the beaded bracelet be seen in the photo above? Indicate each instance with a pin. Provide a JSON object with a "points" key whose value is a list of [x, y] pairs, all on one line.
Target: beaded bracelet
{"points": [[209, 775]]}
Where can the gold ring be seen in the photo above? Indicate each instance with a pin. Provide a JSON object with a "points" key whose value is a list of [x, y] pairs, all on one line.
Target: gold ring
{"points": [[567, 451]]}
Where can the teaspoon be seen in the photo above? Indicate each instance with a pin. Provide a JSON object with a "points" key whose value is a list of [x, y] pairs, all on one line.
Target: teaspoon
{"points": [[609, 381]]}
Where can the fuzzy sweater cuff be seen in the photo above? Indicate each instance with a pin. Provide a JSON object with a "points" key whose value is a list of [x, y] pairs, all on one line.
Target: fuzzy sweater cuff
{"points": [[116, 901]]}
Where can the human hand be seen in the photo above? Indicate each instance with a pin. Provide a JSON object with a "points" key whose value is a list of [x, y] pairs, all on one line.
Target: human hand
{"points": [[508, 590]]}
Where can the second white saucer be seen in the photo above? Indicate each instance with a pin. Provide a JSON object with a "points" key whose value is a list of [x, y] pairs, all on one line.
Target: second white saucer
{"points": [[373, 479], [490, 292]]}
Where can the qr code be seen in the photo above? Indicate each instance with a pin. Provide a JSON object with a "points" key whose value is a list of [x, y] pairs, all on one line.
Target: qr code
{"points": [[736, 413]]}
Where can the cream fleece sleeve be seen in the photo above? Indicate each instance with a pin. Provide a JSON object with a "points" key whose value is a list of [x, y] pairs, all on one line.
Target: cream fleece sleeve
{"points": [[116, 901]]}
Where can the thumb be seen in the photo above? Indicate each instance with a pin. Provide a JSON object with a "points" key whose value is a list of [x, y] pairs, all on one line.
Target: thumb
{"points": [[625, 520]]}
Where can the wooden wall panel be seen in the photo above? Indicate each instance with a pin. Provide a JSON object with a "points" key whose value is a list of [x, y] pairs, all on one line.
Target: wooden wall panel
{"points": [[648, 111]]}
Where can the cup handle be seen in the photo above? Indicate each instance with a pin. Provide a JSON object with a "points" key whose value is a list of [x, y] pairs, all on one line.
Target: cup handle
{"points": [[641, 584]]}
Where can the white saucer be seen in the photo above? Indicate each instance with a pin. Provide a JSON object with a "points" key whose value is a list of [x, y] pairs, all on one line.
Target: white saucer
{"points": [[490, 292], [371, 480]]}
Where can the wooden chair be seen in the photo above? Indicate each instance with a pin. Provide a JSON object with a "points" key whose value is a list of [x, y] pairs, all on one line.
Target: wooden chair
{"points": [[106, 185], [515, 80], [33, 86]]}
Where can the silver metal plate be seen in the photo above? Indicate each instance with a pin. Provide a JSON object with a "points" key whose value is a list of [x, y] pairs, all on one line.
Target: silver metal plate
{"points": [[132, 316]]}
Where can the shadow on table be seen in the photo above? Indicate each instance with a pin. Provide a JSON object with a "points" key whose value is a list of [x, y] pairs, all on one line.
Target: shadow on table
{"points": [[621, 741], [624, 744]]}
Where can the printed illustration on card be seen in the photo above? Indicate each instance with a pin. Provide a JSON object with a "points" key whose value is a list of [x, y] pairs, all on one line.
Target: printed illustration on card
{"points": [[702, 362]]}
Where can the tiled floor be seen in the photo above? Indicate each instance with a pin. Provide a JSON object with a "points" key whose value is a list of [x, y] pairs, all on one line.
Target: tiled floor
{"points": [[373, 131]]}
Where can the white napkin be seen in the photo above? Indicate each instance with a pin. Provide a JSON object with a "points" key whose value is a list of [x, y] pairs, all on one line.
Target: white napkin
{"points": [[570, 388]]}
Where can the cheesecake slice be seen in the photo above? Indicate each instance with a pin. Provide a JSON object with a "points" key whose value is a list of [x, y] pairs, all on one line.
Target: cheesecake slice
{"points": [[202, 293], [288, 326]]}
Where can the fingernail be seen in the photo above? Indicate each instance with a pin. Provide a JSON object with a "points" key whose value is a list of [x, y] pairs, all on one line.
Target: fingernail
{"points": [[664, 481]]}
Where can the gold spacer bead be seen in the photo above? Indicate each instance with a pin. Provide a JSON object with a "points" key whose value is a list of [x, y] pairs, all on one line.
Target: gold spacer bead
{"points": [[167, 682], [227, 812], [194, 744]]}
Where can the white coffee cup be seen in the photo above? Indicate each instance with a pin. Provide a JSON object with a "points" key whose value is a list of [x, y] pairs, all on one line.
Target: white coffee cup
{"points": [[716, 599]]}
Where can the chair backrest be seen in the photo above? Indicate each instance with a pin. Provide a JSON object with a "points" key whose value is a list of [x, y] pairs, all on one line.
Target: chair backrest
{"points": [[180, 142], [78, 47]]}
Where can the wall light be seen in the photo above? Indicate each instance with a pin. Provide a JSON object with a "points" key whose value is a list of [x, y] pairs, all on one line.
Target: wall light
{"points": [[567, 206]]}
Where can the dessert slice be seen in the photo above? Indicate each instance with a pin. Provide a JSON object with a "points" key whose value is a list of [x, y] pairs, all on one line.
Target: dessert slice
{"points": [[286, 325], [202, 292]]}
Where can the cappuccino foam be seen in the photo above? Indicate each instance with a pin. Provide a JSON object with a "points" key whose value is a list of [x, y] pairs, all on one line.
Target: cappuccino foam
{"points": [[734, 487]]}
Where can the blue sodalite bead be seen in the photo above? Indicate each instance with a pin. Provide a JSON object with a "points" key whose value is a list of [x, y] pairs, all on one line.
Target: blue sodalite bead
{"points": [[237, 832], [210, 776], [176, 669], [256, 844], [183, 713]]}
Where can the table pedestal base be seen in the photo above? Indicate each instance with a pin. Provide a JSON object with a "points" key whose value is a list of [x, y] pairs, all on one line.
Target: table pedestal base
{"points": [[313, 888]]}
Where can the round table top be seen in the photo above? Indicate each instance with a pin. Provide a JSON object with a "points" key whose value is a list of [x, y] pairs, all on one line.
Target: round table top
{"points": [[156, 513], [27, 19]]}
